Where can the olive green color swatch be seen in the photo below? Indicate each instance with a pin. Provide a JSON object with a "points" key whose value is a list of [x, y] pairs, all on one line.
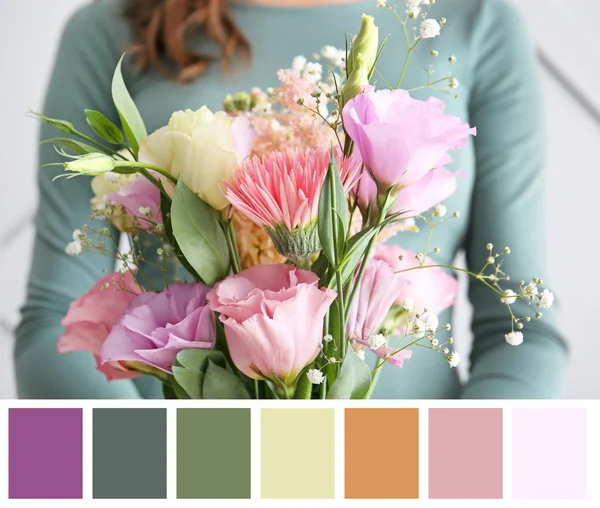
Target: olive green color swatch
{"points": [[213, 453], [130, 453], [297, 454]]}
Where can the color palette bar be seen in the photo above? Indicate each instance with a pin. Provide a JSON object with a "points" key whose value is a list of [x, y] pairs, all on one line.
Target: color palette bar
{"points": [[244, 453]]}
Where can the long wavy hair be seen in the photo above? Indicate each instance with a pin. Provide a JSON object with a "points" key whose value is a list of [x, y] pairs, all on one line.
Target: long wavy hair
{"points": [[161, 27]]}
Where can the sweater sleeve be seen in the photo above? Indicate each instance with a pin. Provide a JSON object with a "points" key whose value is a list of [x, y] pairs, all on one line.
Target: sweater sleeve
{"points": [[509, 209], [88, 53]]}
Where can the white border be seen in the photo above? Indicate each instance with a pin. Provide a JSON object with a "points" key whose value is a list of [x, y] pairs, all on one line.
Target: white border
{"points": [[369, 439]]}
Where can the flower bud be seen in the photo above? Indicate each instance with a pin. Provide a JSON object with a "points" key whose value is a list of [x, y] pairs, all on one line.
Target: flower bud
{"points": [[91, 164], [365, 44], [357, 80]]}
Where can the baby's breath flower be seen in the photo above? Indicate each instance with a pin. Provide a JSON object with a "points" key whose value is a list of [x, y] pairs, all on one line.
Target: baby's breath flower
{"points": [[144, 210], [315, 376], [381, 3], [434, 53], [430, 28], [328, 338], [546, 299], [440, 210], [514, 338], [361, 354], [431, 322], [453, 359], [453, 82], [376, 341], [452, 59], [509, 297], [413, 12], [74, 248], [408, 305], [298, 64]]}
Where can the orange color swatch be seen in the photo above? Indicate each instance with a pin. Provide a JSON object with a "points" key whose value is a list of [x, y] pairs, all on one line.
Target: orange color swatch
{"points": [[382, 453]]}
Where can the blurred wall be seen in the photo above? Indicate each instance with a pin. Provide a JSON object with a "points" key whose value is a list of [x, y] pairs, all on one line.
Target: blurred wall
{"points": [[571, 78]]}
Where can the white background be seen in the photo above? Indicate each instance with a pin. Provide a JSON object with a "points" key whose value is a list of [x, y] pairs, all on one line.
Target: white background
{"points": [[565, 33]]}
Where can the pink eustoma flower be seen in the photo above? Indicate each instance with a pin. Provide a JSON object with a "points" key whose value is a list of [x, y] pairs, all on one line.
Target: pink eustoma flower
{"points": [[139, 194], [273, 317], [377, 292], [399, 138], [436, 186], [156, 326], [427, 288], [91, 318]]}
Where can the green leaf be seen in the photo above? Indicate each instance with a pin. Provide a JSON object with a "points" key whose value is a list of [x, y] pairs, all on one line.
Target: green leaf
{"points": [[165, 207], [333, 209], [104, 127], [219, 383], [353, 380], [77, 147], [61, 125], [189, 369], [197, 232], [133, 125], [356, 248]]}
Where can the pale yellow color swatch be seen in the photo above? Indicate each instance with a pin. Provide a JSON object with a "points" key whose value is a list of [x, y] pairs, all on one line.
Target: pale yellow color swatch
{"points": [[297, 454]]}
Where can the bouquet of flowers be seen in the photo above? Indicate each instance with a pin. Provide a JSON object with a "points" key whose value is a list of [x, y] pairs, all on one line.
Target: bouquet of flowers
{"points": [[267, 222]]}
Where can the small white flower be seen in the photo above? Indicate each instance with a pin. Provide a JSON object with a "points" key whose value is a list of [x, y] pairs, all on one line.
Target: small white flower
{"points": [[413, 12], [435, 343], [328, 338], [361, 354], [262, 109], [333, 359], [412, 3], [445, 350], [329, 52], [144, 210], [546, 299], [315, 376], [376, 341], [509, 297], [419, 329], [454, 359], [408, 305], [78, 235], [514, 338], [298, 64], [430, 28], [453, 82], [452, 59], [381, 3], [74, 248], [313, 72], [431, 322], [440, 210], [531, 289]]}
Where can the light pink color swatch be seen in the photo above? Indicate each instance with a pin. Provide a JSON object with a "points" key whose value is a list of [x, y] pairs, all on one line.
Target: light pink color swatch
{"points": [[465, 453], [549, 456]]}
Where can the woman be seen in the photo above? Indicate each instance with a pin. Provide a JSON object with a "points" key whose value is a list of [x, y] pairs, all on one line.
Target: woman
{"points": [[501, 200]]}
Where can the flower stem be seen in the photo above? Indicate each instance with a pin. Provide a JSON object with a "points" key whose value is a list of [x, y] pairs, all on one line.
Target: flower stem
{"points": [[236, 264], [375, 376], [143, 165]]}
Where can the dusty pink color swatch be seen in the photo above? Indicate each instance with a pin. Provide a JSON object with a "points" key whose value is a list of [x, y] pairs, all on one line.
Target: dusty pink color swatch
{"points": [[465, 453], [549, 455]]}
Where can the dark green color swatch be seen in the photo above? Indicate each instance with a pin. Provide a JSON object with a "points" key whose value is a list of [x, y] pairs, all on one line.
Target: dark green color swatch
{"points": [[213, 453], [130, 454]]}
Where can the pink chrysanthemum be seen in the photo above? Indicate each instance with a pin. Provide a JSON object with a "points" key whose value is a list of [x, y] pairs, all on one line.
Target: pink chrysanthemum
{"points": [[280, 192]]}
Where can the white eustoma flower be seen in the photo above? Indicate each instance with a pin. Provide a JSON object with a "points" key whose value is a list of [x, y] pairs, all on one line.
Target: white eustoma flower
{"points": [[546, 299], [430, 28], [315, 376], [514, 338], [92, 164], [454, 359], [376, 341], [74, 248], [509, 297], [205, 148]]}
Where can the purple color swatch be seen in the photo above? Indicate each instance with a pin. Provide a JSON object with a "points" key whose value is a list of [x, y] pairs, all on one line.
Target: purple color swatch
{"points": [[465, 453], [549, 456], [45, 453]]}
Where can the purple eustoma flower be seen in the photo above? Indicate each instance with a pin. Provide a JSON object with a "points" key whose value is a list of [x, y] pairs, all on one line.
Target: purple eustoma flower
{"points": [[156, 326]]}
